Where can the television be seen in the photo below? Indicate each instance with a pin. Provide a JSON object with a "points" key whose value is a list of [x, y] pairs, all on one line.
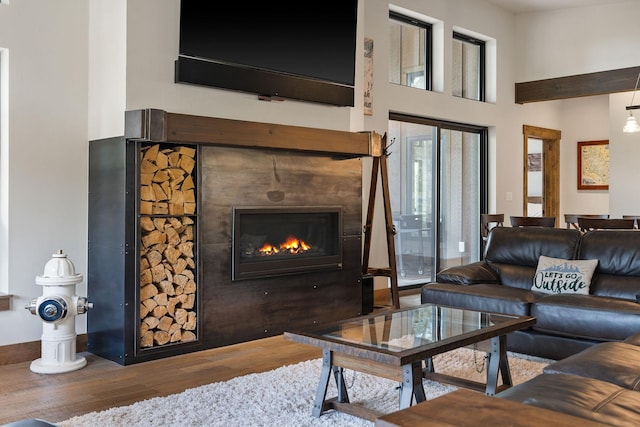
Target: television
{"points": [[270, 49]]}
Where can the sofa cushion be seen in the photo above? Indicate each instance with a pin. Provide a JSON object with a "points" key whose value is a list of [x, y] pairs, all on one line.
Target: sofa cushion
{"points": [[613, 362], [468, 274], [618, 252], [481, 297], [587, 316], [513, 252], [563, 276], [580, 396]]}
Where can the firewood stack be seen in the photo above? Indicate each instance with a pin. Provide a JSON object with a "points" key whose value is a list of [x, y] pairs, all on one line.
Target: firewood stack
{"points": [[167, 261]]}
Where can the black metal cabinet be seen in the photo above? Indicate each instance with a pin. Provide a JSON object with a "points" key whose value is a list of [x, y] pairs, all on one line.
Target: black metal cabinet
{"points": [[115, 324]]}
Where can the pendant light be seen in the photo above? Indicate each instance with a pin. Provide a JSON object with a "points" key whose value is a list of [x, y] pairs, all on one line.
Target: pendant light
{"points": [[632, 125]]}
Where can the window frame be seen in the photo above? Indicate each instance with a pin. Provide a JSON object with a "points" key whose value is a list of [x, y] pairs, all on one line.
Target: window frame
{"points": [[482, 73], [483, 169], [428, 44]]}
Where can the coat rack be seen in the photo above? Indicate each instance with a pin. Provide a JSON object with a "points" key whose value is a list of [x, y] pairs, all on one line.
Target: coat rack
{"points": [[380, 169]]}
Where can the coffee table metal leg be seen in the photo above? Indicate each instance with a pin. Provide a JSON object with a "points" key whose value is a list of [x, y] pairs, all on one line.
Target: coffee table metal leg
{"points": [[411, 385], [327, 365], [498, 363], [338, 373], [505, 370]]}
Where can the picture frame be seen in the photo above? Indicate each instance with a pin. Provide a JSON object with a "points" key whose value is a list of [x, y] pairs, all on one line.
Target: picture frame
{"points": [[593, 165]]}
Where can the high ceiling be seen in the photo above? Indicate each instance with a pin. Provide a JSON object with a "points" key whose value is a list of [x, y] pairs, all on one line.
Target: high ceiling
{"points": [[520, 6]]}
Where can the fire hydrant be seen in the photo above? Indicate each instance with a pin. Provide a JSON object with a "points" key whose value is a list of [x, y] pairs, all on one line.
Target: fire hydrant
{"points": [[57, 308]]}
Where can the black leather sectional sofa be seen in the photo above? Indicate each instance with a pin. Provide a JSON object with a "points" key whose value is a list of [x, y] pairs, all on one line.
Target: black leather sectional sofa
{"points": [[601, 383], [566, 323]]}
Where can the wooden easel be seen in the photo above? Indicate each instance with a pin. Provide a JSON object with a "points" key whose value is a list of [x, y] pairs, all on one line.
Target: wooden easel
{"points": [[380, 168]]}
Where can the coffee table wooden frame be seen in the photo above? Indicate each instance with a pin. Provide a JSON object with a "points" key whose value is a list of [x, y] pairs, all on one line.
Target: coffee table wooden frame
{"points": [[406, 366]]}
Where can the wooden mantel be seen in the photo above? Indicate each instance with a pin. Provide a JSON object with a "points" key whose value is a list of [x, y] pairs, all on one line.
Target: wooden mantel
{"points": [[160, 126]]}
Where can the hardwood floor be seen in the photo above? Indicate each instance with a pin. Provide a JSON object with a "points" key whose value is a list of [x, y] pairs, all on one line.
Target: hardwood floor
{"points": [[103, 384]]}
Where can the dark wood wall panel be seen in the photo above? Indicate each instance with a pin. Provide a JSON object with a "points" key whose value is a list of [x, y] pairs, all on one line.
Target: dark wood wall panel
{"points": [[251, 309], [236, 311], [237, 177]]}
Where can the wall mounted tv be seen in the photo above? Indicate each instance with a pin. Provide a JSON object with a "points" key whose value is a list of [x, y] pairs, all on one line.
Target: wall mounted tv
{"points": [[272, 49]]}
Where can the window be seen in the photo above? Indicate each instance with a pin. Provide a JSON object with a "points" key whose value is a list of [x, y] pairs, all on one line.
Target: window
{"points": [[468, 71], [438, 188], [410, 51]]}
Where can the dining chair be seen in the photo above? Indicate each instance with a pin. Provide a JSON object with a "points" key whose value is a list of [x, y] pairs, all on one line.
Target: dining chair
{"points": [[533, 221], [634, 217], [588, 224], [488, 222], [572, 219]]}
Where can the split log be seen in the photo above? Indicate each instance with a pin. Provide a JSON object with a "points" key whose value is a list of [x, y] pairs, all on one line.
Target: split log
{"points": [[150, 303], [161, 337], [146, 178], [150, 153], [147, 167], [188, 336], [176, 336], [146, 223], [153, 257], [146, 208], [189, 208], [161, 299], [143, 311], [147, 193], [146, 339], [148, 292], [165, 322], [162, 161]]}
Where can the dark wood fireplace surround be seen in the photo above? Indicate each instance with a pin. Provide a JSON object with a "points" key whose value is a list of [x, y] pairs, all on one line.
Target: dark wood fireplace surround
{"points": [[238, 165]]}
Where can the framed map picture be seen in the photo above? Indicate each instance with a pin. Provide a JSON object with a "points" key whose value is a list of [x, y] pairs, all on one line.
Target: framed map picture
{"points": [[593, 165]]}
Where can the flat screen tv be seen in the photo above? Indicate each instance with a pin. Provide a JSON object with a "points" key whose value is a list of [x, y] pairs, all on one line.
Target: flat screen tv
{"points": [[273, 49]]}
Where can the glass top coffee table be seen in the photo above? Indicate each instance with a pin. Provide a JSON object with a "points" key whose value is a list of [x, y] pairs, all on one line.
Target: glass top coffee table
{"points": [[393, 344]]}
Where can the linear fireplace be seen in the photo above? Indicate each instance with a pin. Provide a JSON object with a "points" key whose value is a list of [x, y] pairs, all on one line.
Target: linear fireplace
{"points": [[270, 241], [254, 183]]}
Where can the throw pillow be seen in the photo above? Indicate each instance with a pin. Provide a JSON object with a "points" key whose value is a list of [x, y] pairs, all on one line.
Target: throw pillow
{"points": [[563, 276]]}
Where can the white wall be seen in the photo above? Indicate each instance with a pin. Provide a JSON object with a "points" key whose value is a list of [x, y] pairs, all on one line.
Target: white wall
{"points": [[624, 152], [582, 119], [63, 93], [577, 41], [107, 68], [45, 154]]}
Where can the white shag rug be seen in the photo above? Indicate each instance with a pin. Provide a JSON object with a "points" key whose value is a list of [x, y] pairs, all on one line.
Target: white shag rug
{"points": [[284, 397]]}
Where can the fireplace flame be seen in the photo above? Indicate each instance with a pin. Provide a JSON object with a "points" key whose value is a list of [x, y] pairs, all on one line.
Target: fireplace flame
{"points": [[268, 249], [292, 245]]}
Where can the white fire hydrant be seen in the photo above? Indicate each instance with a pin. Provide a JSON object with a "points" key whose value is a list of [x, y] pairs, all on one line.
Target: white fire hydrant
{"points": [[57, 308]]}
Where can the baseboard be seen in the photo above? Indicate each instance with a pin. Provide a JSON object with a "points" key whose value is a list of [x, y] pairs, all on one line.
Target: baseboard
{"points": [[28, 351]]}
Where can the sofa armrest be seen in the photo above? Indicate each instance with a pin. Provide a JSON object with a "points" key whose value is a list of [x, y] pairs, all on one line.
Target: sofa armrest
{"points": [[469, 274]]}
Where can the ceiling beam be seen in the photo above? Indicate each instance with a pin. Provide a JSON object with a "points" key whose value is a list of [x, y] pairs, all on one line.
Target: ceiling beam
{"points": [[600, 83]]}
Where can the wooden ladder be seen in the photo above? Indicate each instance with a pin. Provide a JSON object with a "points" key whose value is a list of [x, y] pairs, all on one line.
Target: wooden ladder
{"points": [[380, 168]]}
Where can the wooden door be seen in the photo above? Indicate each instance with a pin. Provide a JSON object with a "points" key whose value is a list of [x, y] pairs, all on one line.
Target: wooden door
{"points": [[550, 169]]}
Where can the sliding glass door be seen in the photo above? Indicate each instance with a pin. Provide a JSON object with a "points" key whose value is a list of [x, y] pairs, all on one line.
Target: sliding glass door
{"points": [[460, 197], [437, 190]]}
